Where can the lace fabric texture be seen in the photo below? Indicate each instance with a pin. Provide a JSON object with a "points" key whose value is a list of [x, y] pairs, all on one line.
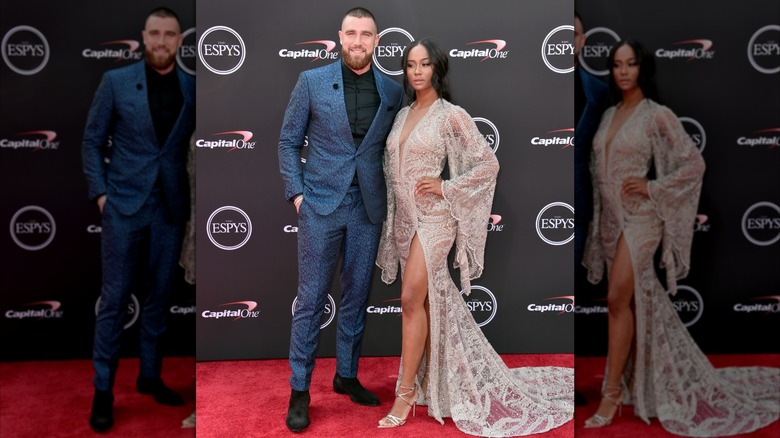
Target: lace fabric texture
{"points": [[668, 376], [466, 379]]}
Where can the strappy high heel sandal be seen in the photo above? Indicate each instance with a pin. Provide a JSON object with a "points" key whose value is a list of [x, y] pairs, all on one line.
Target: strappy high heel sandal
{"points": [[391, 420], [614, 395]]}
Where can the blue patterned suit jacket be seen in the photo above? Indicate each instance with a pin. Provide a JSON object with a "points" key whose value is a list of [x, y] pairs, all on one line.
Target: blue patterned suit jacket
{"points": [[317, 109], [120, 109]]}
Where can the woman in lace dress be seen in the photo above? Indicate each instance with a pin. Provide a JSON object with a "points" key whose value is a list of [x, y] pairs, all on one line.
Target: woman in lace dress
{"points": [[458, 375], [652, 361]]}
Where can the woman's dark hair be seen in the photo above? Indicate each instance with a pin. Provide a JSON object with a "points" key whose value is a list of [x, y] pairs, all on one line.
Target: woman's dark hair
{"points": [[646, 62], [439, 63]]}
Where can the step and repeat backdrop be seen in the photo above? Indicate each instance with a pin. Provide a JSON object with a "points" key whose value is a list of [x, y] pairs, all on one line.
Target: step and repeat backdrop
{"points": [[721, 76], [511, 68], [53, 56]]}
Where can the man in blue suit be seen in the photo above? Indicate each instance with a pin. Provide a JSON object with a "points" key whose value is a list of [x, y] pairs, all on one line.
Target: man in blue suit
{"points": [[146, 113], [346, 109]]}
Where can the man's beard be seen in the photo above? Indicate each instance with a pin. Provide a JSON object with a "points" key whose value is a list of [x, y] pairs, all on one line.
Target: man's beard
{"points": [[355, 63], [158, 62]]}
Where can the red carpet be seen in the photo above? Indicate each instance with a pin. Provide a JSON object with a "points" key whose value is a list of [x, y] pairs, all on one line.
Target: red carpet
{"points": [[249, 399], [54, 398], [589, 371]]}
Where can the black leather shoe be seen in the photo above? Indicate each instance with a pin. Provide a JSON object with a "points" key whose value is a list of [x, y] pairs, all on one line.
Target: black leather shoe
{"points": [[358, 394], [102, 417], [579, 399], [161, 393], [298, 411]]}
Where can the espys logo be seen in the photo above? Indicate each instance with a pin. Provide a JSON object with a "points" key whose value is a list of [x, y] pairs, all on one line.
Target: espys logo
{"points": [[594, 55], [32, 228], [40, 310], [695, 131], [315, 54], [489, 132], [33, 140], [122, 50], [763, 49], [221, 50], [387, 309], [327, 314], [700, 225], [558, 49], [25, 50], [567, 306], [389, 52], [761, 223], [763, 137], [558, 137], [688, 304], [494, 223], [241, 143], [555, 223], [765, 305], [246, 310], [495, 52], [482, 304], [229, 228], [133, 309], [186, 55], [701, 49]]}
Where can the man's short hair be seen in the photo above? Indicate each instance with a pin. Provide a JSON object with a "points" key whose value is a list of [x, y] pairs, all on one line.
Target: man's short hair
{"points": [[163, 12], [360, 12]]}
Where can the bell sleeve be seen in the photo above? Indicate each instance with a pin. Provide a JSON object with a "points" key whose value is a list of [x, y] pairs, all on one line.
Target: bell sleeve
{"points": [[675, 191], [473, 168]]}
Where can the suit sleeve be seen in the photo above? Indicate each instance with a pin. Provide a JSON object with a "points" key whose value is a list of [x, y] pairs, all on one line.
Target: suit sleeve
{"points": [[95, 138], [291, 139]]}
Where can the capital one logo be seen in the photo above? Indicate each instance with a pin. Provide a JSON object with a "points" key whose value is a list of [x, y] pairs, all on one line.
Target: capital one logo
{"points": [[325, 52], [494, 224], [567, 306], [185, 56], [558, 49], [482, 304], [236, 140], [761, 223], [133, 309], [35, 141], [489, 132], [766, 305], [558, 137], [229, 228], [328, 313], [695, 131], [594, 55], [702, 49], [25, 50], [388, 54], [555, 223], [32, 228], [124, 50], [688, 304], [221, 50], [246, 310], [495, 52], [39, 310], [769, 137], [763, 49]]}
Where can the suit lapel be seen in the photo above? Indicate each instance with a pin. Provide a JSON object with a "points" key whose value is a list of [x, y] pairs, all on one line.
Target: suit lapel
{"points": [[335, 90], [139, 91], [379, 117]]}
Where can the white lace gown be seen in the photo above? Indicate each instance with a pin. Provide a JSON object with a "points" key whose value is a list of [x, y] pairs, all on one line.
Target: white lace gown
{"points": [[668, 376], [467, 380]]}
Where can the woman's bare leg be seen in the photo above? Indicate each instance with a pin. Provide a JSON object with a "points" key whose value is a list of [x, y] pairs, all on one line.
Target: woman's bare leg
{"points": [[620, 292], [414, 290]]}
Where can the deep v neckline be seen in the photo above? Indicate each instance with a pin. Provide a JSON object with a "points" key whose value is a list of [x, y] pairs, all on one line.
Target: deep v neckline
{"points": [[608, 142], [402, 144]]}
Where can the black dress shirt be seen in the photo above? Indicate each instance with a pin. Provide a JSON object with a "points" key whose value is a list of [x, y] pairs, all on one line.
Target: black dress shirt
{"points": [[165, 101], [362, 100]]}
